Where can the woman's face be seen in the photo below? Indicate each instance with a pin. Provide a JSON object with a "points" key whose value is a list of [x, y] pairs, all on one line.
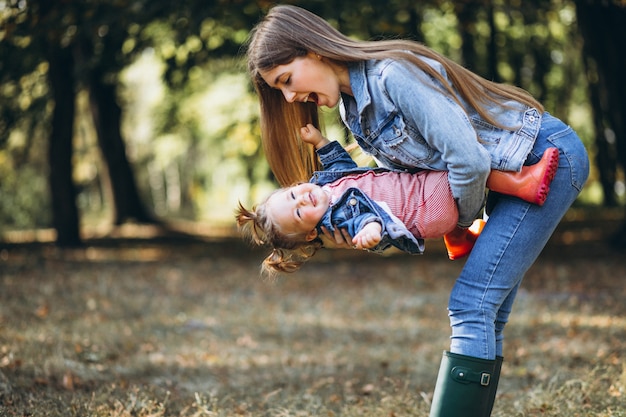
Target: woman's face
{"points": [[309, 78]]}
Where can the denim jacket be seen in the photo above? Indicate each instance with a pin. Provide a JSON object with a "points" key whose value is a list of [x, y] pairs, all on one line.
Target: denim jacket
{"points": [[354, 209], [400, 116]]}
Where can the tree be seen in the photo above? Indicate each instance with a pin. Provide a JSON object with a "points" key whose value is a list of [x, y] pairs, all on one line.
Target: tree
{"points": [[67, 36], [63, 192], [603, 25], [84, 45], [60, 58], [87, 44]]}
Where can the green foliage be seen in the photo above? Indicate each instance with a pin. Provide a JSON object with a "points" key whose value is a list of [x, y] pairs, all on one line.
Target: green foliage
{"points": [[24, 119], [205, 135], [190, 118], [23, 193]]}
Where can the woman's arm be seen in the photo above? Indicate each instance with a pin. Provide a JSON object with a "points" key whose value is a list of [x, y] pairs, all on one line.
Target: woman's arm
{"points": [[445, 126]]}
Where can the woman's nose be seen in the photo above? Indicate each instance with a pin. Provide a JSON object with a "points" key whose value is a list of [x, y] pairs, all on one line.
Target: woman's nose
{"points": [[290, 96]]}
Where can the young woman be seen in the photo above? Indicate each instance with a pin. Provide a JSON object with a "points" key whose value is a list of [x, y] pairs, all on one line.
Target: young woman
{"points": [[378, 207], [410, 107]]}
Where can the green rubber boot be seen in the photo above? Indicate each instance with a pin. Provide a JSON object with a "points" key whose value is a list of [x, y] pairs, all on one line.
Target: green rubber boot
{"points": [[464, 387], [493, 386]]}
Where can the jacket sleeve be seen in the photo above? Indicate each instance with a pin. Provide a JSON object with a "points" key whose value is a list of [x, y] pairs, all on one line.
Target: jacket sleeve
{"points": [[444, 124], [335, 158], [361, 210]]}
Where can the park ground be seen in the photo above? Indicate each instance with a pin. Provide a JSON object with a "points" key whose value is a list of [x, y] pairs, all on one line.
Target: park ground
{"points": [[137, 324]]}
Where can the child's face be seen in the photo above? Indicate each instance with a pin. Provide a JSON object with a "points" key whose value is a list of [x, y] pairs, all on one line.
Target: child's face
{"points": [[298, 209]]}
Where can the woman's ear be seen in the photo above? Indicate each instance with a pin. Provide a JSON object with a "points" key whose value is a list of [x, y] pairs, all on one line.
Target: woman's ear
{"points": [[314, 55], [311, 235]]}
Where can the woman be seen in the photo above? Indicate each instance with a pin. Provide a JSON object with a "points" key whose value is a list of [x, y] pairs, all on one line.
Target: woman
{"points": [[410, 107]]}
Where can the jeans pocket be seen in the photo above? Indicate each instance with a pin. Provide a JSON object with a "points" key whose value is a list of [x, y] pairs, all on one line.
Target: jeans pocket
{"points": [[572, 152]]}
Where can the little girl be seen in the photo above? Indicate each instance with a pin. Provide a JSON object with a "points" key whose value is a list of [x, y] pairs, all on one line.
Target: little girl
{"points": [[377, 207]]}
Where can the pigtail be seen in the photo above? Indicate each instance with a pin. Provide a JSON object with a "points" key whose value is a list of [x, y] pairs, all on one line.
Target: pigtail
{"points": [[250, 225], [289, 260]]}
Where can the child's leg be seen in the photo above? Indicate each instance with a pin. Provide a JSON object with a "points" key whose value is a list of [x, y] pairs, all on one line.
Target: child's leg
{"points": [[460, 242], [532, 184]]}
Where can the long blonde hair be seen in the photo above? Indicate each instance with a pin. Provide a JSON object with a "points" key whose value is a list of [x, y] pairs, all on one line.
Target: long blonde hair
{"points": [[289, 32], [289, 252]]}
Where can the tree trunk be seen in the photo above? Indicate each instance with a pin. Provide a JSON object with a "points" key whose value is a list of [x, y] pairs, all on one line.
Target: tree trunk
{"points": [[107, 120], [65, 215], [603, 26], [467, 13], [492, 56], [468, 16], [606, 158]]}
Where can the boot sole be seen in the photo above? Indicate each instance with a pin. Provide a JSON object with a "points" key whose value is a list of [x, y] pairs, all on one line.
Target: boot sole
{"points": [[551, 155]]}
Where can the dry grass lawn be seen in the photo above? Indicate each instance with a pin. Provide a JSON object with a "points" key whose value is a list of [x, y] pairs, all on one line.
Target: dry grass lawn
{"points": [[182, 328]]}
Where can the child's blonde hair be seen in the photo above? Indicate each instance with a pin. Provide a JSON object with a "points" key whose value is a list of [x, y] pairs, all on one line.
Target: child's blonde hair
{"points": [[289, 251]]}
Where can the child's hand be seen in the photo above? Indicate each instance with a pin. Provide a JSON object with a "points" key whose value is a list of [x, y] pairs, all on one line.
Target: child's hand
{"points": [[368, 237], [310, 134]]}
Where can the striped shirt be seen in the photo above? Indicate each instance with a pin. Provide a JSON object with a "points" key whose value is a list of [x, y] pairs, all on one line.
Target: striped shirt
{"points": [[422, 201]]}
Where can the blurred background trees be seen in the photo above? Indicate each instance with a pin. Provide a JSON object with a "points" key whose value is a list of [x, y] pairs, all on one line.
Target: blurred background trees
{"points": [[134, 110]]}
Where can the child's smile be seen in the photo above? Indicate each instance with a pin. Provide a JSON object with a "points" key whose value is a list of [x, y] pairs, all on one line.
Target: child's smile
{"points": [[298, 209]]}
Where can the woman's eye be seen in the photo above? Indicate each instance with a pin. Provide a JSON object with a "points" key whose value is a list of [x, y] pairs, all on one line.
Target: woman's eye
{"points": [[298, 213], [293, 196]]}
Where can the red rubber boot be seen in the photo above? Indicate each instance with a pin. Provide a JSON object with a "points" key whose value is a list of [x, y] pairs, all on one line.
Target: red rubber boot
{"points": [[532, 184], [460, 242]]}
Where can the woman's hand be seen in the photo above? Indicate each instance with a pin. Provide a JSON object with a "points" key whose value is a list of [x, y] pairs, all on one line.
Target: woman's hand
{"points": [[339, 239]]}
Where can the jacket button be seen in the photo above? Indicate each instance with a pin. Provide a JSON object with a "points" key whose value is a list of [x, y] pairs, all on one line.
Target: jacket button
{"points": [[352, 201]]}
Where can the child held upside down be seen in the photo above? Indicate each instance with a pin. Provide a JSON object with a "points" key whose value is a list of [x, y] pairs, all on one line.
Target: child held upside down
{"points": [[379, 208]]}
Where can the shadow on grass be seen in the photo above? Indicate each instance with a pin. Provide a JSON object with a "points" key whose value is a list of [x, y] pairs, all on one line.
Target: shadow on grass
{"points": [[138, 325]]}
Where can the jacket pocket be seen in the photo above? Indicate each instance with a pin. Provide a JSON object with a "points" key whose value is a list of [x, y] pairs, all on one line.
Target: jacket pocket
{"points": [[401, 146]]}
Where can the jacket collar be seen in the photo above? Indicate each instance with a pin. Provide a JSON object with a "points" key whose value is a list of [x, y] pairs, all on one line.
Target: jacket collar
{"points": [[358, 83]]}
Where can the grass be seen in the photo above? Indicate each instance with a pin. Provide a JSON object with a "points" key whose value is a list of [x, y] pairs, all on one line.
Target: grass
{"points": [[179, 328]]}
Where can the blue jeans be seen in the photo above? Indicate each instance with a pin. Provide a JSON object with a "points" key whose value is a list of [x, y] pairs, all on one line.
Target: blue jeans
{"points": [[514, 236]]}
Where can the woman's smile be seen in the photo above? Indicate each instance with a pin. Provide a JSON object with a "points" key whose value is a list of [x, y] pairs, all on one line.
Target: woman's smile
{"points": [[309, 79]]}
